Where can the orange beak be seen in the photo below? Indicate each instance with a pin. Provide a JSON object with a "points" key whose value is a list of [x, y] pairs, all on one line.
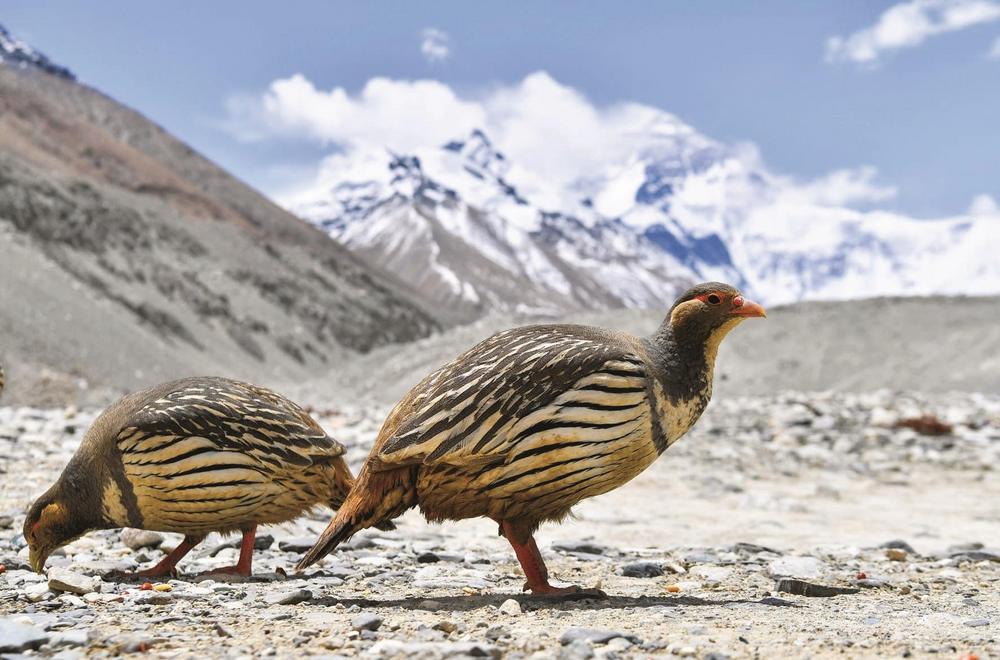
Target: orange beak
{"points": [[749, 309]]}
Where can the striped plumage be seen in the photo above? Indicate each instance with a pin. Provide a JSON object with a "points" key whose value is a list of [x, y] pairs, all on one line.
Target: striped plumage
{"points": [[192, 456], [532, 420]]}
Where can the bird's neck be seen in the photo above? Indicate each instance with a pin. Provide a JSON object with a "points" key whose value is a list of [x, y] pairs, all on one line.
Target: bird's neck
{"points": [[685, 357]]}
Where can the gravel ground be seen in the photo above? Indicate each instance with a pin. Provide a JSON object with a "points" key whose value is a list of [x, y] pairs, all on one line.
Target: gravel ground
{"points": [[700, 554]]}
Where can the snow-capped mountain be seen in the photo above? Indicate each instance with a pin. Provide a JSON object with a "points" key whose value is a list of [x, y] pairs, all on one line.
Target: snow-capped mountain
{"points": [[451, 222], [473, 231], [15, 52]]}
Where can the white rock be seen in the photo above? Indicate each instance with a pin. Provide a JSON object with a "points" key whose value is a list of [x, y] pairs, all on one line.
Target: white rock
{"points": [[74, 583], [510, 607], [804, 568]]}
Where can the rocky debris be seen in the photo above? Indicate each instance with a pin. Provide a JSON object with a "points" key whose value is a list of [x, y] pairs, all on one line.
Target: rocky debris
{"points": [[16, 636], [791, 491], [803, 588], [391, 648]]}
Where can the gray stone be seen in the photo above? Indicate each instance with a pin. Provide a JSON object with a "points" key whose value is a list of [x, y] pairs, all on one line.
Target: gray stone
{"points": [[140, 538], [642, 569], [153, 598], [977, 623], [289, 597], [74, 583], [16, 636], [898, 544], [579, 649], [510, 607], [298, 544], [803, 588], [585, 547], [393, 648], [76, 637], [366, 621], [593, 635]]}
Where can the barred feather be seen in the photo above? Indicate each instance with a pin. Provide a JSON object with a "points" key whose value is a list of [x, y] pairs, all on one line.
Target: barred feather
{"points": [[208, 454], [521, 427]]}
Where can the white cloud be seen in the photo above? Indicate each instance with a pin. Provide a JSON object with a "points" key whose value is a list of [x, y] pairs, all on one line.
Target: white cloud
{"points": [[398, 114], [994, 52], [909, 24], [434, 45], [983, 205], [557, 139], [544, 126], [840, 188]]}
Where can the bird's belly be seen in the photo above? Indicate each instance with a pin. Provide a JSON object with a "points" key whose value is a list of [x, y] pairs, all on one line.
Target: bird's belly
{"points": [[217, 491], [545, 475]]}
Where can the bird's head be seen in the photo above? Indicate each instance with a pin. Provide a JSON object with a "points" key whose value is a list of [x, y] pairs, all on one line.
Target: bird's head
{"points": [[50, 524], [705, 314]]}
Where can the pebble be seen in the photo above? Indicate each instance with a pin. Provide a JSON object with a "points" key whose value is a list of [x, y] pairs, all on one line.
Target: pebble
{"points": [[289, 597], [584, 547], [592, 635], [137, 539], [579, 649], [296, 545], [510, 607], [74, 583], [976, 623], [16, 636], [366, 621], [895, 554], [806, 568], [642, 569]]}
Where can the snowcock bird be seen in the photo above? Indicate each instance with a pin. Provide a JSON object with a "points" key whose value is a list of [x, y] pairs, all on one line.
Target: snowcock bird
{"points": [[192, 456], [532, 420]]}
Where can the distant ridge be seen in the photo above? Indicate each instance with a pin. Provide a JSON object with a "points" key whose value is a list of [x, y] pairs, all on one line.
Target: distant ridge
{"points": [[128, 258]]}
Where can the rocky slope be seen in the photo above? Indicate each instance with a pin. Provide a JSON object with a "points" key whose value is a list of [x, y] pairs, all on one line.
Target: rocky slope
{"points": [[128, 258]]}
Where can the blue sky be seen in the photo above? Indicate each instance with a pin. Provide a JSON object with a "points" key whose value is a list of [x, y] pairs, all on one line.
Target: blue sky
{"points": [[913, 92]]}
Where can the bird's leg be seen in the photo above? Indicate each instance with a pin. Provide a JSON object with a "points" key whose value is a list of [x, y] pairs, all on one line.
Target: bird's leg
{"points": [[534, 567], [243, 566], [167, 565]]}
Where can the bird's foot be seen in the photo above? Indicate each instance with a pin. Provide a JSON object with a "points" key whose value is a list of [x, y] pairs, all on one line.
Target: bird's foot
{"points": [[572, 592], [229, 573]]}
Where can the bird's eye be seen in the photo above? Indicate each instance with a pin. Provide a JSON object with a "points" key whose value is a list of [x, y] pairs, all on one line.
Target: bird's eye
{"points": [[714, 299]]}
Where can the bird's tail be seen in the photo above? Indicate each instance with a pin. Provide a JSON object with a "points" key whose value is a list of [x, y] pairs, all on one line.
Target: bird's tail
{"points": [[375, 499], [341, 485]]}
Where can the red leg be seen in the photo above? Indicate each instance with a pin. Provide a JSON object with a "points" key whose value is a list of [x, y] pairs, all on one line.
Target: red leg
{"points": [[168, 563], [244, 565], [534, 568]]}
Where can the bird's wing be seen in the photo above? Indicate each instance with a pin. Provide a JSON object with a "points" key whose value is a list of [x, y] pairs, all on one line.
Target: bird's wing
{"points": [[203, 417], [514, 385]]}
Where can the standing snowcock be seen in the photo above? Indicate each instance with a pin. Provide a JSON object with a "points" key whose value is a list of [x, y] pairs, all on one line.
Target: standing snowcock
{"points": [[192, 456], [533, 420]]}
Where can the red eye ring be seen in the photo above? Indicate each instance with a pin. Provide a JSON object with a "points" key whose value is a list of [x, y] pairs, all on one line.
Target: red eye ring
{"points": [[713, 299]]}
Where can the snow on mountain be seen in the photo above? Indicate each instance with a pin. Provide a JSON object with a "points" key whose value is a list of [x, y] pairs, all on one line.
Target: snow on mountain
{"points": [[472, 230], [451, 221], [17, 53]]}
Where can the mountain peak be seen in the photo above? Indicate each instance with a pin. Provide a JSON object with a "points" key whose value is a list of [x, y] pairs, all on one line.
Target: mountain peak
{"points": [[14, 52]]}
